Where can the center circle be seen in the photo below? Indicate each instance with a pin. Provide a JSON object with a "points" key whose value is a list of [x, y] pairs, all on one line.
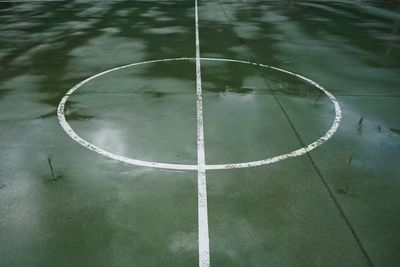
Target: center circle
{"points": [[298, 152]]}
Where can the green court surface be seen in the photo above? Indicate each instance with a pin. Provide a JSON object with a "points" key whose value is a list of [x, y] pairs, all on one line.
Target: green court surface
{"points": [[139, 166]]}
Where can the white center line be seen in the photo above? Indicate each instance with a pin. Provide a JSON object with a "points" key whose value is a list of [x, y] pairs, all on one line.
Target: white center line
{"points": [[204, 247]]}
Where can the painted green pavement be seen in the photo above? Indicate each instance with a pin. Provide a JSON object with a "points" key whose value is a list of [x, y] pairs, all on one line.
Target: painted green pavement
{"points": [[64, 205]]}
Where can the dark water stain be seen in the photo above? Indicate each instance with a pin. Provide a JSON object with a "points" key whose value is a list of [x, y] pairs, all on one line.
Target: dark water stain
{"points": [[239, 90], [5, 5], [243, 90], [158, 94], [47, 115], [300, 92], [75, 116], [395, 130]]}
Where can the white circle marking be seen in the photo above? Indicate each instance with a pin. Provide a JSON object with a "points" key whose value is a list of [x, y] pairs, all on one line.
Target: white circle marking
{"points": [[301, 151]]}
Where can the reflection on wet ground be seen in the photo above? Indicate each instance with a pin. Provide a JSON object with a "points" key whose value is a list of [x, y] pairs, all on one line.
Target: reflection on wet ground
{"points": [[63, 204]]}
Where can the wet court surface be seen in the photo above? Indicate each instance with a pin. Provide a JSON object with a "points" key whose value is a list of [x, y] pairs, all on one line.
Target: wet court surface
{"points": [[62, 204]]}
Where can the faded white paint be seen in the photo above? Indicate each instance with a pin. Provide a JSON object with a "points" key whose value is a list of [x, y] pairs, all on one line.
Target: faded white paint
{"points": [[204, 246]]}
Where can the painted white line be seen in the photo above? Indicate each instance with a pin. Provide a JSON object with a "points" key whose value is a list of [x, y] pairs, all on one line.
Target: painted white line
{"points": [[301, 151], [204, 247]]}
